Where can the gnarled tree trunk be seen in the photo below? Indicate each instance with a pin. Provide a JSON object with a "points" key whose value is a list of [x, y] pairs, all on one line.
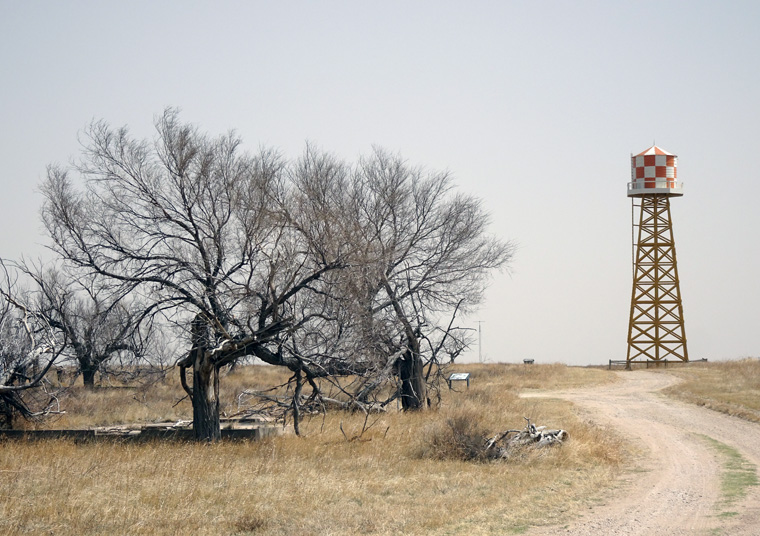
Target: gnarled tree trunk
{"points": [[205, 399], [413, 388], [204, 392], [88, 375]]}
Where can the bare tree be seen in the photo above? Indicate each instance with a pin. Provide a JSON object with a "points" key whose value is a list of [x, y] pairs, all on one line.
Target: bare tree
{"points": [[99, 322], [427, 258], [28, 348], [198, 228], [420, 256]]}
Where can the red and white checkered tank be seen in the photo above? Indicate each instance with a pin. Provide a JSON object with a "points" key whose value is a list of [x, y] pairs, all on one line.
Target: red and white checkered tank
{"points": [[655, 168]]}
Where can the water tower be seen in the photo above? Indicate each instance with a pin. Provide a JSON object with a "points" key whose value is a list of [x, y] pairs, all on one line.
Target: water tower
{"points": [[656, 328]]}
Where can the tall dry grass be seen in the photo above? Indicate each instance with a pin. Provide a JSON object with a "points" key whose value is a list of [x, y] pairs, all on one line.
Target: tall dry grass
{"points": [[160, 399], [731, 387], [381, 482]]}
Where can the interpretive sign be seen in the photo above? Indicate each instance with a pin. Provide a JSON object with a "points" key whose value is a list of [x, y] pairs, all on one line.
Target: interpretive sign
{"points": [[459, 376]]}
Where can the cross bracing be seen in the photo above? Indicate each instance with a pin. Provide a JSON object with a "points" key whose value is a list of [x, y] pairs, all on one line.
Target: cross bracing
{"points": [[656, 327]]}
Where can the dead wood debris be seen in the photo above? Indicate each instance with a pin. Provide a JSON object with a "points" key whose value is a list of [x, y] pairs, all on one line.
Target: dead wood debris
{"points": [[505, 444]]}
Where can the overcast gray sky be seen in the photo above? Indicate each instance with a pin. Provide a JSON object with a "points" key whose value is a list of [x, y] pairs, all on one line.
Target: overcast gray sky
{"points": [[533, 106]]}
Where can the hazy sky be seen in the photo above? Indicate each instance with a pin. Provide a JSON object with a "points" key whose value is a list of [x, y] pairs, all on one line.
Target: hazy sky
{"points": [[533, 106]]}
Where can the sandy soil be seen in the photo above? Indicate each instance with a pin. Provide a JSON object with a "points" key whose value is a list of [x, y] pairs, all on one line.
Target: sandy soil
{"points": [[672, 486]]}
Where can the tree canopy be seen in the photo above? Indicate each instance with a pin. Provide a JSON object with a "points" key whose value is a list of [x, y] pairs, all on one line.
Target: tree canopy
{"points": [[328, 268]]}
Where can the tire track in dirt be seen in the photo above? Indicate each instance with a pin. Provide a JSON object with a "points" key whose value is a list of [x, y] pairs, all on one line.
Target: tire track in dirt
{"points": [[673, 485]]}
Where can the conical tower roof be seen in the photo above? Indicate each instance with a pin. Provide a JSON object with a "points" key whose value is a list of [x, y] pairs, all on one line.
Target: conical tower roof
{"points": [[654, 150]]}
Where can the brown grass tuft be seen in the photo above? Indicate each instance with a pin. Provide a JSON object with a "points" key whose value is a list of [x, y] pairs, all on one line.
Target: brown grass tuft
{"points": [[458, 437], [249, 524]]}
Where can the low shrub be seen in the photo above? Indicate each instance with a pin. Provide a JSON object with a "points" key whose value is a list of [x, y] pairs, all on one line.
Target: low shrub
{"points": [[458, 437]]}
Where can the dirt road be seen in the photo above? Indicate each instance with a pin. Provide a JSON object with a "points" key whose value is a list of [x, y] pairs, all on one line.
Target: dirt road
{"points": [[673, 486]]}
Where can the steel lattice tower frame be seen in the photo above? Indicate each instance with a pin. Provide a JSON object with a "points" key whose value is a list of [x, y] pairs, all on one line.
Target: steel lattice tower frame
{"points": [[656, 327]]}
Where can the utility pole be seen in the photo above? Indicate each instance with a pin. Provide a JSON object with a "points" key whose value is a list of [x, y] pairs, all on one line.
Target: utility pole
{"points": [[480, 341]]}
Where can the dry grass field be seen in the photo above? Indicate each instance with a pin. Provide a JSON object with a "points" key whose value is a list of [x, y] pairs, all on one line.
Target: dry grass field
{"points": [[731, 387], [389, 481], [392, 479]]}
